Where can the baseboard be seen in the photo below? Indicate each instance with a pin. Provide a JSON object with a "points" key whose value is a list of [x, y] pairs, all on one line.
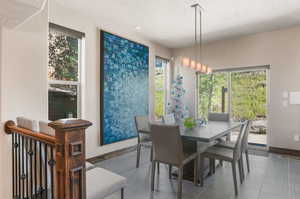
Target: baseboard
{"points": [[110, 155], [129, 149], [284, 151]]}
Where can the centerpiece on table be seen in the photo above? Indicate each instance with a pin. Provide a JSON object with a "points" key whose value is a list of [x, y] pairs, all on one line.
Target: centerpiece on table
{"points": [[189, 122]]}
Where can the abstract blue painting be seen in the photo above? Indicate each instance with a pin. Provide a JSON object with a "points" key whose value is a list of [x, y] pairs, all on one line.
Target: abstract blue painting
{"points": [[124, 86]]}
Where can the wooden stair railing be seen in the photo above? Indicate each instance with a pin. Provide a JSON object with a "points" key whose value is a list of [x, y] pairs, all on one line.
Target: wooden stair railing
{"points": [[49, 167]]}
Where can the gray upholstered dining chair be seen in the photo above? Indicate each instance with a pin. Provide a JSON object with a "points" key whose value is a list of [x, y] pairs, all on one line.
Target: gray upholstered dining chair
{"points": [[169, 119], [188, 145], [230, 145], [220, 117], [144, 138], [168, 149], [224, 117], [225, 154]]}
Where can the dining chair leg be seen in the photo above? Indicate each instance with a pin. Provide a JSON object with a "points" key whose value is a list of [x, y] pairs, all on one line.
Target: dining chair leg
{"points": [[247, 160], [170, 171], [214, 166], [210, 166], [233, 164], [138, 155], [196, 171], [122, 193], [153, 175], [151, 154], [158, 168], [240, 170], [201, 173], [242, 165], [179, 190]]}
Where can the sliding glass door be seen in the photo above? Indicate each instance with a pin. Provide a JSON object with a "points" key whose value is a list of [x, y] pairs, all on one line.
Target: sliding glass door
{"points": [[242, 94], [213, 94], [249, 102]]}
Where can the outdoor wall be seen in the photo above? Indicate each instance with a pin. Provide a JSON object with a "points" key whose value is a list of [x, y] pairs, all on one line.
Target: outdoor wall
{"points": [[23, 83], [91, 73], [280, 49]]}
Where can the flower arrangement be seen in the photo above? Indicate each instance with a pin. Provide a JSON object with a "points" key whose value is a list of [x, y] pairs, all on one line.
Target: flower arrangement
{"points": [[189, 122]]}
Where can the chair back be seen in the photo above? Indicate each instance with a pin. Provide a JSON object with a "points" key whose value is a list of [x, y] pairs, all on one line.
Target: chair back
{"points": [[237, 152], [245, 139], [167, 144], [142, 123], [223, 117], [169, 119]]}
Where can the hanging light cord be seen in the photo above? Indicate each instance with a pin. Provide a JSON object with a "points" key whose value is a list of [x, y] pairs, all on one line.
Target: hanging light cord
{"points": [[198, 44], [200, 37], [196, 37]]}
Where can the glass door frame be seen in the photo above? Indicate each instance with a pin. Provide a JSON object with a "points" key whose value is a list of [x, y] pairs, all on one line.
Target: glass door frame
{"points": [[229, 72], [166, 83], [228, 78]]}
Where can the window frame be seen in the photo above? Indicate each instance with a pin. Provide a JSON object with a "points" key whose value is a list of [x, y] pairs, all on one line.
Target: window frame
{"points": [[80, 36], [229, 72], [228, 87], [165, 83]]}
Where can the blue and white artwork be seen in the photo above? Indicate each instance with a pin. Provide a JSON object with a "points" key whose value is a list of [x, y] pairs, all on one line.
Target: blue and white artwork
{"points": [[124, 86]]}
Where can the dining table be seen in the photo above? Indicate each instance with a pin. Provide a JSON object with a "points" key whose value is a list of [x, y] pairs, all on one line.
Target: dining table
{"points": [[200, 137]]}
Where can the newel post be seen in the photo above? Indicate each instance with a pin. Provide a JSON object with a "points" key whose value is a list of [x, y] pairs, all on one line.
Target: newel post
{"points": [[70, 158]]}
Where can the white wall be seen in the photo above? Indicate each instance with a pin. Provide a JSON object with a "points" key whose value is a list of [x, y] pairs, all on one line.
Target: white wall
{"points": [[23, 82], [2, 140], [91, 84], [24, 78], [280, 49]]}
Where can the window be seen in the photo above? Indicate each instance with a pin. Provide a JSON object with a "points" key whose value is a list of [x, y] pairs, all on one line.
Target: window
{"points": [[212, 94], [65, 47], [161, 85]]}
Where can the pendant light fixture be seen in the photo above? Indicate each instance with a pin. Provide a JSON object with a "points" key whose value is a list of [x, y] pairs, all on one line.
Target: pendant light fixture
{"points": [[195, 61]]}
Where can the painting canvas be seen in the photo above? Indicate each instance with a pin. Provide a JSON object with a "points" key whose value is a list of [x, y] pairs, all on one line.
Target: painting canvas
{"points": [[124, 86]]}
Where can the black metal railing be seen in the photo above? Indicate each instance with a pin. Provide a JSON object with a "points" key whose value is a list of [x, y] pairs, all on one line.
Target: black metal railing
{"points": [[33, 165], [43, 167]]}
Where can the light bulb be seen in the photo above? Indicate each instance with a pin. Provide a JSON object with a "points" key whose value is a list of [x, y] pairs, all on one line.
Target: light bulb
{"points": [[186, 61], [209, 70], [199, 67], [204, 67], [193, 64]]}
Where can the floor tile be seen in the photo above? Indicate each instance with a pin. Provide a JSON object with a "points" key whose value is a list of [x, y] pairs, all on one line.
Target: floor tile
{"points": [[271, 177]]}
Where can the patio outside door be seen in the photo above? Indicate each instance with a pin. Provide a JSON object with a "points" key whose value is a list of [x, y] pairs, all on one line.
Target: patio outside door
{"points": [[213, 94], [242, 94]]}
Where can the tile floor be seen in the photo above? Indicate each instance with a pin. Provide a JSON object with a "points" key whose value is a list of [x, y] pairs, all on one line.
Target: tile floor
{"points": [[271, 177]]}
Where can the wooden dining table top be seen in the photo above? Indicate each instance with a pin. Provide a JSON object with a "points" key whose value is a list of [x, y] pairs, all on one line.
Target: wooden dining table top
{"points": [[207, 133]]}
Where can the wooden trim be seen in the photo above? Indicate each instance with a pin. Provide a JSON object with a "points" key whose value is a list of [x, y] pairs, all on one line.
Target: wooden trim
{"points": [[70, 32], [70, 157], [246, 68], [76, 148], [110, 154], [76, 182], [70, 124], [10, 127], [284, 151]]}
